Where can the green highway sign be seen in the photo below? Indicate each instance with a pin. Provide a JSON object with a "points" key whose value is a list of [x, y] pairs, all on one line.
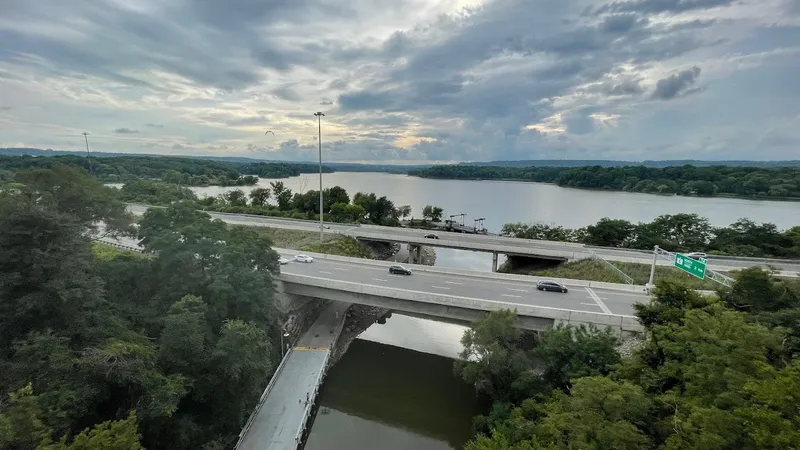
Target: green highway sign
{"points": [[692, 266]]}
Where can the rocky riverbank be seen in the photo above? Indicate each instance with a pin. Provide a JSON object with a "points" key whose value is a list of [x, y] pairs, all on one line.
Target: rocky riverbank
{"points": [[359, 318]]}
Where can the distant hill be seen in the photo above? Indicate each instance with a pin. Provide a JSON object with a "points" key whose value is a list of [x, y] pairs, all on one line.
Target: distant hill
{"points": [[391, 168], [646, 163], [339, 167]]}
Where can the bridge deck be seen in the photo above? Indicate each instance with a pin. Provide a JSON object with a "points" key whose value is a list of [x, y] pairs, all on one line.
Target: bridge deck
{"points": [[279, 420]]}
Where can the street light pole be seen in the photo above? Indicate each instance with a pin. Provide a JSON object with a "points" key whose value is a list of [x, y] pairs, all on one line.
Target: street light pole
{"points": [[319, 140], [653, 268], [88, 156]]}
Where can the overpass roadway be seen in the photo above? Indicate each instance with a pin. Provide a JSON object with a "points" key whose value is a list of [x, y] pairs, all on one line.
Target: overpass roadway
{"points": [[493, 244], [453, 293]]}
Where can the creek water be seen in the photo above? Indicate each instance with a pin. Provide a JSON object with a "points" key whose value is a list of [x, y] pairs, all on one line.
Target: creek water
{"points": [[395, 389]]}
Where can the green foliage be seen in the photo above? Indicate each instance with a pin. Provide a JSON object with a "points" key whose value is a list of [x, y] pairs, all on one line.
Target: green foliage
{"points": [[674, 232], [432, 213], [779, 182], [109, 435], [182, 336], [172, 170], [152, 192], [567, 353], [707, 377]]}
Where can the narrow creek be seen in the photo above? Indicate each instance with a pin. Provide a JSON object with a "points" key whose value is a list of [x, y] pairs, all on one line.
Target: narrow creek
{"points": [[395, 389]]}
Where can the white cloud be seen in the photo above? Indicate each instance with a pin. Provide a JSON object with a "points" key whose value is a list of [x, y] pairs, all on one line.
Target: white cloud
{"points": [[403, 80]]}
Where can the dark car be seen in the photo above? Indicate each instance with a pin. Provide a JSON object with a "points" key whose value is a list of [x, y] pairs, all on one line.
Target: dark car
{"points": [[400, 270], [697, 256], [550, 285], [431, 236]]}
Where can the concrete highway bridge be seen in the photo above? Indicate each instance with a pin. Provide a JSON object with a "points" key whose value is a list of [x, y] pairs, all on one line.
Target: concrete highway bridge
{"points": [[560, 251]]}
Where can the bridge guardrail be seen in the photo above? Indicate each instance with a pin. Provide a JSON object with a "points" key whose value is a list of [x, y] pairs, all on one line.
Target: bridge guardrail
{"points": [[261, 399], [526, 279], [626, 323]]}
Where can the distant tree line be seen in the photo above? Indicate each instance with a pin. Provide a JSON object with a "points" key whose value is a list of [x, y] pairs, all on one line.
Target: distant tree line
{"points": [[276, 200], [780, 182], [173, 170], [674, 232], [114, 350], [715, 372]]}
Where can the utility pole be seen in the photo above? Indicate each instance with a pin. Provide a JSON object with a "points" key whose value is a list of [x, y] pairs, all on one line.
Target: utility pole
{"points": [[88, 155], [650, 284], [319, 140]]}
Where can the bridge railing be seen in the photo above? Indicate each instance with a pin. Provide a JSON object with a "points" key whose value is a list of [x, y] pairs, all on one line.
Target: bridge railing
{"points": [[249, 423], [710, 274]]}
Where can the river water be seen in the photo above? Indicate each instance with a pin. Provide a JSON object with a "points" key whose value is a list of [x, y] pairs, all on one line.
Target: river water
{"points": [[501, 202], [394, 389]]}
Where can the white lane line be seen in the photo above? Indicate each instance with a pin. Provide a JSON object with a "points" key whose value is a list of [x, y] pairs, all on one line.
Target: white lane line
{"points": [[517, 290], [397, 276], [589, 304], [328, 273], [509, 295], [379, 279], [597, 300], [342, 268], [441, 287], [452, 282]]}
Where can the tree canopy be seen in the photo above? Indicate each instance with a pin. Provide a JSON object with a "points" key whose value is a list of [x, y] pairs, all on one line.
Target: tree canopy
{"points": [[167, 351]]}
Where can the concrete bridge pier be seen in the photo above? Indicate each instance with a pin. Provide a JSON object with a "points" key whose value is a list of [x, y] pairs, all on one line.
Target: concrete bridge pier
{"points": [[414, 253], [494, 261]]}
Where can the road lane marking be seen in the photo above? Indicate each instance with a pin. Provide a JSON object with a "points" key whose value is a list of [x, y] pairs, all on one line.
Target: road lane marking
{"points": [[517, 290], [327, 273], [452, 282], [380, 279], [597, 300], [589, 304], [441, 287], [342, 268], [509, 295]]}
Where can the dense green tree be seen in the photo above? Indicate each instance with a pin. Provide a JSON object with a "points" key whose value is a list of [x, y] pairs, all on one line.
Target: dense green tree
{"points": [[610, 233], [343, 212], [334, 195], [259, 196], [154, 192], [404, 211], [380, 210], [432, 213], [567, 353], [236, 197]]}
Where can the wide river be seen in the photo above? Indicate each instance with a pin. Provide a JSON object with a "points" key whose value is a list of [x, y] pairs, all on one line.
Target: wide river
{"points": [[501, 202]]}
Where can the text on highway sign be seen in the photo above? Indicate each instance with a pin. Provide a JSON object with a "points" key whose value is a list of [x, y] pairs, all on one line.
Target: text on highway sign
{"points": [[691, 266]]}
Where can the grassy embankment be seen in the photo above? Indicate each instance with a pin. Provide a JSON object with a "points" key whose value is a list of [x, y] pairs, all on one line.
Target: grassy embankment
{"points": [[594, 270], [308, 241]]}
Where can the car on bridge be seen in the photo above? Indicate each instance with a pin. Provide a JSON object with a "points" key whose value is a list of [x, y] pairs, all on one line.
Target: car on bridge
{"points": [[431, 236], [303, 258], [283, 261], [697, 256], [551, 285], [399, 270]]}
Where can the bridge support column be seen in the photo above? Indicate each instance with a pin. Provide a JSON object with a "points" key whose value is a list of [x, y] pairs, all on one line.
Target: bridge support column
{"points": [[494, 261], [411, 249]]}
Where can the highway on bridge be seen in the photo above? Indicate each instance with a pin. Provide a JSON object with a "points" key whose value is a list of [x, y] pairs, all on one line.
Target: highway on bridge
{"points": [[505, 245], [479, 286], [507, 292]]}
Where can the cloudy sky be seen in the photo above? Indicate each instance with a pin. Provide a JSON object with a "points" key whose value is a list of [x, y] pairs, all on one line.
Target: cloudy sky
{"points": [[405, 80]]}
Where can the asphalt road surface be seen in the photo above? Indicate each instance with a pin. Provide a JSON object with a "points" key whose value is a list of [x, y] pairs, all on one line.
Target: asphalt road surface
{"points": [[512, 293]]}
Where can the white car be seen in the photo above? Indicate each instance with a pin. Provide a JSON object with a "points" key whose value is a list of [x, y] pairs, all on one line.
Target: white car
{"points": [[282, 261], [303, 258]]}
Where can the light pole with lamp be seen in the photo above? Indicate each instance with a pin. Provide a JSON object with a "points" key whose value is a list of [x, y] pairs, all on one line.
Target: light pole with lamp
{"points": [[88, 155], [319, 140]]}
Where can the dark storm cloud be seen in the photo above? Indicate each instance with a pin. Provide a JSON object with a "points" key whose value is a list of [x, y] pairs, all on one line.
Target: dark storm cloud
{"points": [[153, 125], [125, 131], [209, 42], [286, 93], [661, 6], [677, 84]]}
